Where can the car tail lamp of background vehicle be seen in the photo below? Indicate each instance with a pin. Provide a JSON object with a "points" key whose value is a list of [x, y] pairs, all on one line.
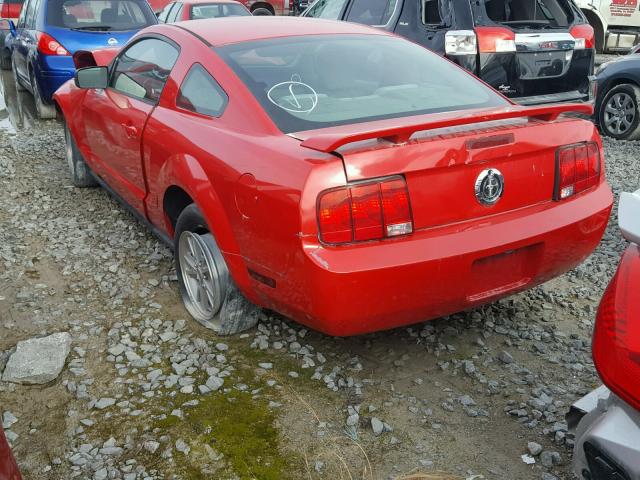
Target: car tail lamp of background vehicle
{"points": [[616, 341], [577, 169], [365, 211], [47, 45], [11, 9], [503, 40]]}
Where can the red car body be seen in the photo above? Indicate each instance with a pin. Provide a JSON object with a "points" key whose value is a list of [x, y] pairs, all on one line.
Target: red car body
{"points": [[259, 190], [8, 466]]}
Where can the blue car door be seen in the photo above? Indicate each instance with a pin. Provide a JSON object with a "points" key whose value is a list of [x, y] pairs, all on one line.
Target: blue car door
{"points": [[27, 40]]}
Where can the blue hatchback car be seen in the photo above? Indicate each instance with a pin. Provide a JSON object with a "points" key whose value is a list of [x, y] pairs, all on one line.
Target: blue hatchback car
{"points": [[49, 32]]}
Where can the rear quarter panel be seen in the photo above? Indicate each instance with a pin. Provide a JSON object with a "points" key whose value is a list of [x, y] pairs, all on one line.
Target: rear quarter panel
{"points": [[243, 173]]}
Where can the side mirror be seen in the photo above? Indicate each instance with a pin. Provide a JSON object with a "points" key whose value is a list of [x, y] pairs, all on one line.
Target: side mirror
{"points": [[92, 77], [12, 29], [629, 216]]}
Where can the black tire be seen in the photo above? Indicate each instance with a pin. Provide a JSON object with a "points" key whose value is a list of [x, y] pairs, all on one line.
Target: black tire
{"points": [[5, 60], [619, 116], [229, 311], [45, 111], [16, 80], [262, 12], [81, 175]]}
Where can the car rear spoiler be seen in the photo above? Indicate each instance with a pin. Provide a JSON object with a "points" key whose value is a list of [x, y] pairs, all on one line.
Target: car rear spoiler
{"points": [[94, 58], [400, 130]]}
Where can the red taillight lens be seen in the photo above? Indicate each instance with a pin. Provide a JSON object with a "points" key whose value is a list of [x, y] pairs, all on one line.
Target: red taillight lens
{"points": [[578, 169], [47, 45], [495, 39], [366, 211], [616, 338], [583, 35]]}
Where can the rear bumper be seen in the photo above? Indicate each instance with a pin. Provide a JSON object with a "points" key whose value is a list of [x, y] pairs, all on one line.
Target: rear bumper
{"points": [[53, 72], [607, 438], [376, 286]]}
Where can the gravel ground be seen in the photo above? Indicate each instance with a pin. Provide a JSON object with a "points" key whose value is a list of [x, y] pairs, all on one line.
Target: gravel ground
{"points": [[148, 394]]}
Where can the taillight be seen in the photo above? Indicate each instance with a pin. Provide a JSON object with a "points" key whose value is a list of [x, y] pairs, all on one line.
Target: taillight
{"points": [[577, 169], [616, 338], [365, 211], [47, 45], [460, 42], [583, 35], [495, 40]]}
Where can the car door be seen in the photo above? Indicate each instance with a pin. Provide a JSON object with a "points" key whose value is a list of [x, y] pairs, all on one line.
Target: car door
{"points": [[19, 52], [116, 116]]}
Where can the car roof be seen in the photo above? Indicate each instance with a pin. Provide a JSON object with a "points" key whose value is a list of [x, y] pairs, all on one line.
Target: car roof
{"points": [[223, 31]]}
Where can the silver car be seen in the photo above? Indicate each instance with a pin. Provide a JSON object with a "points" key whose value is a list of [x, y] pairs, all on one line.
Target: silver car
{"points": [[606, 422]]}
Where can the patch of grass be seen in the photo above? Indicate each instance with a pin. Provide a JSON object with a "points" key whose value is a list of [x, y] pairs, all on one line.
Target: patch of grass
{"points": [[236, 424]]}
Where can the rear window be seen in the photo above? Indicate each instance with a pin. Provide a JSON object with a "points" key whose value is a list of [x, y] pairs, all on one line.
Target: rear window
{"points": [[312, 82], [100, 15], [530, 13], [213, 10]]}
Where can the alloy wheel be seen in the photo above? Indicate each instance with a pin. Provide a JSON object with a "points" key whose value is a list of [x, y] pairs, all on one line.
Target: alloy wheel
{"points": [[620, 113], [202, 277]]}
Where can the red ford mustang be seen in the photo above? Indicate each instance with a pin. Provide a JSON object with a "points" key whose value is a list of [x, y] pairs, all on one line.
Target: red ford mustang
{"points": [[335, 173]]}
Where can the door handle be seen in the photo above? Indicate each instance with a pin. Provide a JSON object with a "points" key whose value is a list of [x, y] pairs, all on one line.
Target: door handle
{"points": [[130, 130]]}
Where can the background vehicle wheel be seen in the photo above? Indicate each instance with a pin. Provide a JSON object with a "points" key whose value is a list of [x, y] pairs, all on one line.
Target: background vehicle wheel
{"points": [[207, 289], [261, 12], [619, 116], [5, 60], [45, 110], [80, 173], [16, 80]]}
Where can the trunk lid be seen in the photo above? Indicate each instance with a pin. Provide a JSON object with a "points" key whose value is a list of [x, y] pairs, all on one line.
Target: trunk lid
{"points": [[442, 166], [74, 40]]}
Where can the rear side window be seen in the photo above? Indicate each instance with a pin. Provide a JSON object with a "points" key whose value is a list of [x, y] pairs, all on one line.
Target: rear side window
{"points": [[371, 12], [175, 13], [200, 93], [141, 71], [431, 12], [162, 16], [329, 9], [100, 15], [213, 10]]}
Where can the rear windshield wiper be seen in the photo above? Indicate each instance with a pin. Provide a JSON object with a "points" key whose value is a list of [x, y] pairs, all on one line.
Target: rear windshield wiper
{"points": [[94, 28]]}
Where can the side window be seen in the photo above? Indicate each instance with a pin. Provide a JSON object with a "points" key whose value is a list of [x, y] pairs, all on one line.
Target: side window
{"points": [[371, 12], [23, 13], [162, 16], [329, 9], [431, 12], [141, 71], [200, 93], [173, 16], [30, 14]]}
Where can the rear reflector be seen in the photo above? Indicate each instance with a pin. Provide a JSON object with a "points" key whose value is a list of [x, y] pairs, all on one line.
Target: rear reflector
{"points": [[365, 211], [616, 338], [495, 40], [583, 35], [577, 169]]}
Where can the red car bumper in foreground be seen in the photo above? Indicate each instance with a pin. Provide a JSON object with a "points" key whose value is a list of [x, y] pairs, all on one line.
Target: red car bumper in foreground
{"points": [[8, 465], [440, 271]]}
